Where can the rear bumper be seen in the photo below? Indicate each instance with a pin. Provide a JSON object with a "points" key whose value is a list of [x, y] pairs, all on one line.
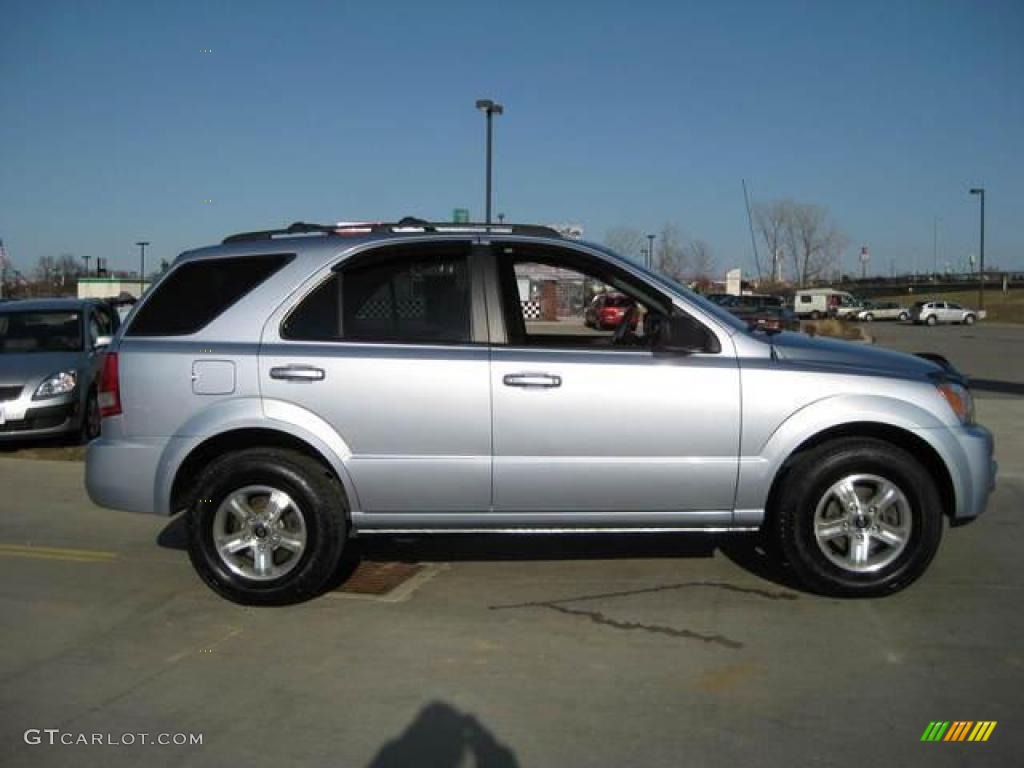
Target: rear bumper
{"points": [[121, 474]]}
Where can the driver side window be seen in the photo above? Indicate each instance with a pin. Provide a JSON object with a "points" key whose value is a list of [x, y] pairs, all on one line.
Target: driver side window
{"points": [[561, 299]]}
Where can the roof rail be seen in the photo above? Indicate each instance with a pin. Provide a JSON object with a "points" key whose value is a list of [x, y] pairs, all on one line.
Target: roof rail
{"points": [[404, 225]]}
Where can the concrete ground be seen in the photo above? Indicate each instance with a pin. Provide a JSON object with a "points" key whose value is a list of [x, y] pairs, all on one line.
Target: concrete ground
{"points": [[667, 651]]}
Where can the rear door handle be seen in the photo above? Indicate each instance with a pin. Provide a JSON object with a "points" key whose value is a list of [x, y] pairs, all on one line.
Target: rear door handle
{"points": [[297, 373], [545, 380]]}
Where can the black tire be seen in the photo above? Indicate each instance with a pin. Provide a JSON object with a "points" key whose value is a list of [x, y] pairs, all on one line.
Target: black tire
{"points": [[90, 428], [932, 320], [319, 500], [815, 315], [969, 320], [904, 317], [808, 481], [869, 317]]}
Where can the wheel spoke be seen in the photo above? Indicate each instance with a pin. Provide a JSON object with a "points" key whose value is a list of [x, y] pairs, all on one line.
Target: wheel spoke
{"points": [[860, 548], [847, 496], [291, 543], [833, 528], [885, 496], [233, 544], [262, 562], [889, 535], [278, 502], [240, 508]]}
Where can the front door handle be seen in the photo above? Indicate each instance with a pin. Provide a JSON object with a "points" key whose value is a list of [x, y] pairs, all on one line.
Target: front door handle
{"points": [[545, 380], [297, 373]]}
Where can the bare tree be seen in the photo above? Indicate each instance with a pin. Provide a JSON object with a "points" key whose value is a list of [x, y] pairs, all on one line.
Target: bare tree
{"points": [[701, 260], [670, 253], [771, 219], [626, 241], [813, 241]]}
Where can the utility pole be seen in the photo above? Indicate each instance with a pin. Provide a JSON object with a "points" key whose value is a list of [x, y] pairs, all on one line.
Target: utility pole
{"points": [[650, 252], [490, 109], [86, 260], [981, 251], [935, 244], [142, 266]]}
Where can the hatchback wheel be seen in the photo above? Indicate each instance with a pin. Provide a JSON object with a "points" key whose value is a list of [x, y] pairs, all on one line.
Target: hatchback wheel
{"points": [[859, 518], [268, 526], [90, 429]]}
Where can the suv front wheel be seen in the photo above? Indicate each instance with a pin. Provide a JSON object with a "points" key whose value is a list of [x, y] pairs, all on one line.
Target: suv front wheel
{"points": [[268, 526], [859, 517]]}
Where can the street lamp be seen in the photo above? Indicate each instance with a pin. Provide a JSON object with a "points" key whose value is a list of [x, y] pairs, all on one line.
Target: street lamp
{"points": [[142, 267], [490, 109], [981, 251], [650, 252]]}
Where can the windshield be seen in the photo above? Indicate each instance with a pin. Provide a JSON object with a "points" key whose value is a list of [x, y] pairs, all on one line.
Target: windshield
{"points": [[26, 332], [723, 316]]}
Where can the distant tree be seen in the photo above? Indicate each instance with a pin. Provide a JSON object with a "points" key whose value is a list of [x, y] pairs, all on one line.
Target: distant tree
{"points": [[626, 241], [813, 241], [702, 262], [771, 220], [670, 253]]}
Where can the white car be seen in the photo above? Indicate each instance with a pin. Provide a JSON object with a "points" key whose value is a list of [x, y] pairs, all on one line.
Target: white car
{"points": [[882, 310], [934, 312]]}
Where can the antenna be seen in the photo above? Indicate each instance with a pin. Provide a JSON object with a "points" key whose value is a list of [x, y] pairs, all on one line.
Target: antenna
{"points": [[750, 223]]}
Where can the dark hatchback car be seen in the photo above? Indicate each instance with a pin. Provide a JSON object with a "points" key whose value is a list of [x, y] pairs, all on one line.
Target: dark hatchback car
{"points": [[50, 351], [768, 313], [607, 311]]}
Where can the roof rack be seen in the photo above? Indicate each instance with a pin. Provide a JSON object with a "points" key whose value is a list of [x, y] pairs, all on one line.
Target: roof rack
{"points": [[404, 225]]}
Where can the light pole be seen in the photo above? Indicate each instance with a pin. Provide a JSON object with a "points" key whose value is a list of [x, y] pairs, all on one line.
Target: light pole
{"points": [[142, 266], [86, 260], [650, 252], [935, 244], [981, 250], [490, 109]]}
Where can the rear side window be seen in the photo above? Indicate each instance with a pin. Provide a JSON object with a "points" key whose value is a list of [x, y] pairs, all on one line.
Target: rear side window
{"points": [[198, 291], [409, 296]]}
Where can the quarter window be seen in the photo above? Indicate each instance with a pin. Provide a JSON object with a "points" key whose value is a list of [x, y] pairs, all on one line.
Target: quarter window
{"points": [[407, 295]]}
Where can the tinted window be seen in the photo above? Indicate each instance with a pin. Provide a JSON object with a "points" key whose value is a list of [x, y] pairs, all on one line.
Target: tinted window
{"points": [[195, 293], [406, 296], [25, 332]]}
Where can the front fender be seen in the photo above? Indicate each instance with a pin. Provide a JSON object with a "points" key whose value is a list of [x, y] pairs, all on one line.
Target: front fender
{"points": [[252, 413], [758, 469]]}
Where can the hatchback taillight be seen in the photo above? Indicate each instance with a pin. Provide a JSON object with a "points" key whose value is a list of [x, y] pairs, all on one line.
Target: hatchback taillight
{"points": [[110, 387]]}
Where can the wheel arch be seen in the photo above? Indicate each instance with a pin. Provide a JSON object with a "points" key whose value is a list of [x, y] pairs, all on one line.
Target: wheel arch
{"points": [[916, 446], [182, 487]]}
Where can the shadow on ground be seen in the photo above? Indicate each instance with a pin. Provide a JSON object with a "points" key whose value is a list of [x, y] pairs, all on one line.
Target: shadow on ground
{"points": [[441, 736]]}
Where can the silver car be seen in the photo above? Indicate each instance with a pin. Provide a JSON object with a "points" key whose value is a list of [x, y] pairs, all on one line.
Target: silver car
{"points": [[934, 312], [290, 389], [49, 357]]}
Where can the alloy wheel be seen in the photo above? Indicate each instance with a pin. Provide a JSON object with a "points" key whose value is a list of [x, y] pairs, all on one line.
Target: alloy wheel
{"points": [[259, 532]]}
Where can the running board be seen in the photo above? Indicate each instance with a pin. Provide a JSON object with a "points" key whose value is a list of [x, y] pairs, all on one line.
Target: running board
{"points": [[574, 529]]}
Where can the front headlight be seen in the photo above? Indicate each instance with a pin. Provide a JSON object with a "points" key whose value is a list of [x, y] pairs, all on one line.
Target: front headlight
{"points": [[59, 383], [959, 399]]}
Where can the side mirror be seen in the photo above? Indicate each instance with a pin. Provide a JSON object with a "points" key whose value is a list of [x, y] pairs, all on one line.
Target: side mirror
{"points": [[682, 334], [102, 341]]}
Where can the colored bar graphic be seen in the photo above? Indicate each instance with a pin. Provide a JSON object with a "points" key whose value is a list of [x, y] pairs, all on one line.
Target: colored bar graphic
{"points": [[958, 730]]}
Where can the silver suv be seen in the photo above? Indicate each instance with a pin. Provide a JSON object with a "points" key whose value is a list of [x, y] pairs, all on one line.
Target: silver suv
{"points": [[290, 389]]}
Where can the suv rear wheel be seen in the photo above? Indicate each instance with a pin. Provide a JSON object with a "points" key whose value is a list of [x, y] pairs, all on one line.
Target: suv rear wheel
{"points": [[268, 526], [859, 518]]}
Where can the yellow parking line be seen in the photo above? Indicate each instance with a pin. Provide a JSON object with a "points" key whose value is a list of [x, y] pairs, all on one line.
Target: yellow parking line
{"points": [[57, 553]]}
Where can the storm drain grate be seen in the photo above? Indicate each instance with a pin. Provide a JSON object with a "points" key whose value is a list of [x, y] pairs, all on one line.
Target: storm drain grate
{"points": [[371, 578]]}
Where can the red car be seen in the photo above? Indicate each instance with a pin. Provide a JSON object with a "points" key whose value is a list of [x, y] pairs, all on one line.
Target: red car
{"points": [[607, 310]]}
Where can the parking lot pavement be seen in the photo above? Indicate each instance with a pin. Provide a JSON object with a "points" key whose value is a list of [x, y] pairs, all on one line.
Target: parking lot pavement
{"points": [[528, 651], [992, 354]]}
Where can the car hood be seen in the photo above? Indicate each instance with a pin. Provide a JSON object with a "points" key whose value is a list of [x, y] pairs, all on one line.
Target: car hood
{"points": [[19, 369], [799, 347]]}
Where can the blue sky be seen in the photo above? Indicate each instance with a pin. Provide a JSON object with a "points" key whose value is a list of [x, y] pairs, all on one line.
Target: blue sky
{"points": [[117, 126]]}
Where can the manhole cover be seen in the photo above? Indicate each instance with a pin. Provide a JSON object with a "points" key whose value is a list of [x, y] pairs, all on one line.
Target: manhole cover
{"points": [[370, 578]]}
